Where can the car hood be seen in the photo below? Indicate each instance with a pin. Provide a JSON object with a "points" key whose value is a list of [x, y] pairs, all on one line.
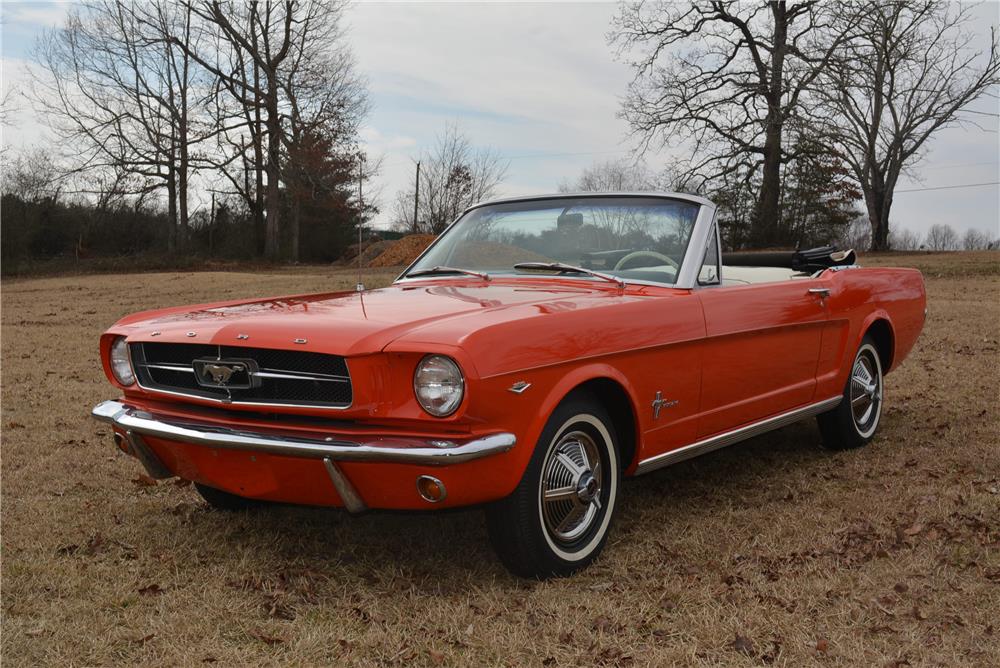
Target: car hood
{"points": [[352, 323]]}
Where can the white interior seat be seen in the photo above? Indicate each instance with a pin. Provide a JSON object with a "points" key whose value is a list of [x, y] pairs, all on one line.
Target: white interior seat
{"points": [[752, 275]]}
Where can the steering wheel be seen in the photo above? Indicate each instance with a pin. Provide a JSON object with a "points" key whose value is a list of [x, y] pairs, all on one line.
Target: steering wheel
{"points": [[645, 253]]}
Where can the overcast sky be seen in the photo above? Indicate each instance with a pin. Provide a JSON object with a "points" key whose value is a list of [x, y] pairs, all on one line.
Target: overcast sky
{"points": [[539, 83]]}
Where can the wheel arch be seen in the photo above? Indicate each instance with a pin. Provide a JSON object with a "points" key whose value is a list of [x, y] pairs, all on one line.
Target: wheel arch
{"points": [[608, 386], [613, 396], [880, 330]]}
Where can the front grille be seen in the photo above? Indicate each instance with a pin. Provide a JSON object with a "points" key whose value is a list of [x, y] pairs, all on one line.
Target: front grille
{"points": [[281, 377]]}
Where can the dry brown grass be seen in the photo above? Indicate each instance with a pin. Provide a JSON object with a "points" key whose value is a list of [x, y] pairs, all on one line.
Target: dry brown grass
{"points": [[770, 552]]}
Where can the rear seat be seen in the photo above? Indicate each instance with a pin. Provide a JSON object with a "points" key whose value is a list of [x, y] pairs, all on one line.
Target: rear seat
{"points": [[753, 275]]}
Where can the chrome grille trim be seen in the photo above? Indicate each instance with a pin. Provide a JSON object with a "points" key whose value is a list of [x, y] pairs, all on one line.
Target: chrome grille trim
{"points": [[147, 382]]}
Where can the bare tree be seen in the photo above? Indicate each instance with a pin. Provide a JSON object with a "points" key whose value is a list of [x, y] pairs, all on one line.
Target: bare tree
{"points": [[857, 234], [907, 73], [941, 237], [623, 174], [900, 239], [32, 175], [261, 34], [257, 49], [730, 78], [119, 96], [120, 99], [453, 177], [975, 240], [326, 102]]}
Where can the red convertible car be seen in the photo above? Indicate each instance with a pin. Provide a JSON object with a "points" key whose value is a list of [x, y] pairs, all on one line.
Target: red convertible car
{"points": [[538, 351]]}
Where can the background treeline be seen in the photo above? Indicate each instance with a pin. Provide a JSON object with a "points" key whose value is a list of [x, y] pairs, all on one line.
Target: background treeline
{"points": [[224, 129], [229, 129]]}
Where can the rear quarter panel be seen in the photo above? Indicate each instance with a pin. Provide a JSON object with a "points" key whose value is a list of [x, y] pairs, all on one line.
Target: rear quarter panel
{"points": [[859, 298]]}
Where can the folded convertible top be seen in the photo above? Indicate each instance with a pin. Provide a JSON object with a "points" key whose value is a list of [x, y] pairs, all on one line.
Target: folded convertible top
{"points": [[812, 259]]}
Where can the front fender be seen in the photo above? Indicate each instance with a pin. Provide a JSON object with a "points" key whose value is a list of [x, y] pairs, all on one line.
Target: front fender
{"points": [[553, 385]]}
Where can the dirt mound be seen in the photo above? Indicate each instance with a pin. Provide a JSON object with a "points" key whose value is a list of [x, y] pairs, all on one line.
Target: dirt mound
{"points": [[373, 251], [404, 251]]}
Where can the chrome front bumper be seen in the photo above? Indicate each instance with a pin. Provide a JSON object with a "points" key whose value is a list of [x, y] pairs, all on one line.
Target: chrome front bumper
{"points": [[396, 450]]}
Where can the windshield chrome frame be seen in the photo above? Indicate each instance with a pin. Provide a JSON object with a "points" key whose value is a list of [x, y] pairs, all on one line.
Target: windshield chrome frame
{"points": [[687, 273]]}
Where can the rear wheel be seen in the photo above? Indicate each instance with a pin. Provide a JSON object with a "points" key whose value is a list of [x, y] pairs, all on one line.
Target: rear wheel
{"points": [[224, 500], [855, 420], [557, 519]]}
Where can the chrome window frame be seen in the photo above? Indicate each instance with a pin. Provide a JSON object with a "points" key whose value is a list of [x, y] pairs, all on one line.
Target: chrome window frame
{"points": [[687, 274], [717, 239]]}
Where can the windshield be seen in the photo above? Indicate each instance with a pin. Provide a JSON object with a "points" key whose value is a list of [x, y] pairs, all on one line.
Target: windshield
{"points": [[632, 238]]}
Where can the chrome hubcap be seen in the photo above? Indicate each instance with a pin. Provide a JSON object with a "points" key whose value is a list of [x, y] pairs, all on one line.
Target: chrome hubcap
{"points": [[866, 391], [571, 486]]}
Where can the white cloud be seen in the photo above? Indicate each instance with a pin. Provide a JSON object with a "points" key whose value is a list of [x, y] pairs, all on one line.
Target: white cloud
{"points": [[40, 13], [533, 80]]}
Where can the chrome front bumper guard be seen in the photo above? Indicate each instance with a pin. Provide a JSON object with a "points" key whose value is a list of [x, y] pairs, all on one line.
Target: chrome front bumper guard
{"points": [[396, 450]]}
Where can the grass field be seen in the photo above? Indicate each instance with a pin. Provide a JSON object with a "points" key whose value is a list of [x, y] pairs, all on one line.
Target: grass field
{"points": [[771, 552]]}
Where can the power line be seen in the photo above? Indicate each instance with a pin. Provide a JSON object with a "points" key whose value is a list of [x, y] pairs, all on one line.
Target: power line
{"points": [[961, 185]]}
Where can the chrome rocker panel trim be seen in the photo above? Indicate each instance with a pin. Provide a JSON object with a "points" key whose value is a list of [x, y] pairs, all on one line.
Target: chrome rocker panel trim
{"points": [[429, 452], [735, 436]]}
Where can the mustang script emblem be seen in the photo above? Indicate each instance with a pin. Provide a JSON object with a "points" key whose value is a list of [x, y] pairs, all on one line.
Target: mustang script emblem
{"points": [[228, 374]]}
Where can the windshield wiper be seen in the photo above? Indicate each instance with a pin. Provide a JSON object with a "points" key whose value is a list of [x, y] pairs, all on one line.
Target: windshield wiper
{"points": [[430, 271], [569, 269]]}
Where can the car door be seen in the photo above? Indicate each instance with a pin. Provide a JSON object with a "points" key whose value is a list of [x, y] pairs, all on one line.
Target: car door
{"points": [[761, 350]]}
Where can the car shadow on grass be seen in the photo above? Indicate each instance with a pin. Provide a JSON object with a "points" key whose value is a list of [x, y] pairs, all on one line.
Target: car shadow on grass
{"points": [[449, 550]]}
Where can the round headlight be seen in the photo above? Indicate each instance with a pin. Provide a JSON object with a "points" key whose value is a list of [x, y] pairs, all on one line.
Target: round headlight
{"points": [[121, 366], [439, 385]]}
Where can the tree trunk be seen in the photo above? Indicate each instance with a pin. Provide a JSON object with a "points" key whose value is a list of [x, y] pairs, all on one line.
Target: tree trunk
{"points": [[182, 200], [182, 182], [172, 206], [258, 166], [765, 225], [294, 222], [273, 236], [878, 204], [182, 131], [767, 217]]}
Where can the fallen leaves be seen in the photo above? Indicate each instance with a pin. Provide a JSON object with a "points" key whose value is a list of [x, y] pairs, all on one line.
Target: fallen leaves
{"points": [[278, 607], [151, 590], [67, 549], [144, 480], [265, 637], [743, 645]]}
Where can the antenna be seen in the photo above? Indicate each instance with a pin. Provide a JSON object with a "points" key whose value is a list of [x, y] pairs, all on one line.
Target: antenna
{"points": [[360, 287]]}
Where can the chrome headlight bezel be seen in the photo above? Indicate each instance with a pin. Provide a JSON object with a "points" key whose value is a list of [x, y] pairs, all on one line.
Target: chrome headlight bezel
{"points": [[121, 362], [439, 385]]}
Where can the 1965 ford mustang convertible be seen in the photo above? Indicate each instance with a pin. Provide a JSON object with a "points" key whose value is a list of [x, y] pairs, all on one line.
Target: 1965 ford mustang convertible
{"points": [[538, 351]]}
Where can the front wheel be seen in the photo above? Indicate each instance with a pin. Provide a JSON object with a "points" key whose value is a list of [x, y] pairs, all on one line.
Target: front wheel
{"points": [[854, 421], [557, 519]]}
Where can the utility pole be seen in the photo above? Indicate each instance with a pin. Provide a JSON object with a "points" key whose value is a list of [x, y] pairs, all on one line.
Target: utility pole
{"points": [[360, 287], [416, 198]]}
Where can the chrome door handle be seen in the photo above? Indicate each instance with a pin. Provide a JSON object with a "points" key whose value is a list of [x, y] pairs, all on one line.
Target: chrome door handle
{"points": [[822, 292]]}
